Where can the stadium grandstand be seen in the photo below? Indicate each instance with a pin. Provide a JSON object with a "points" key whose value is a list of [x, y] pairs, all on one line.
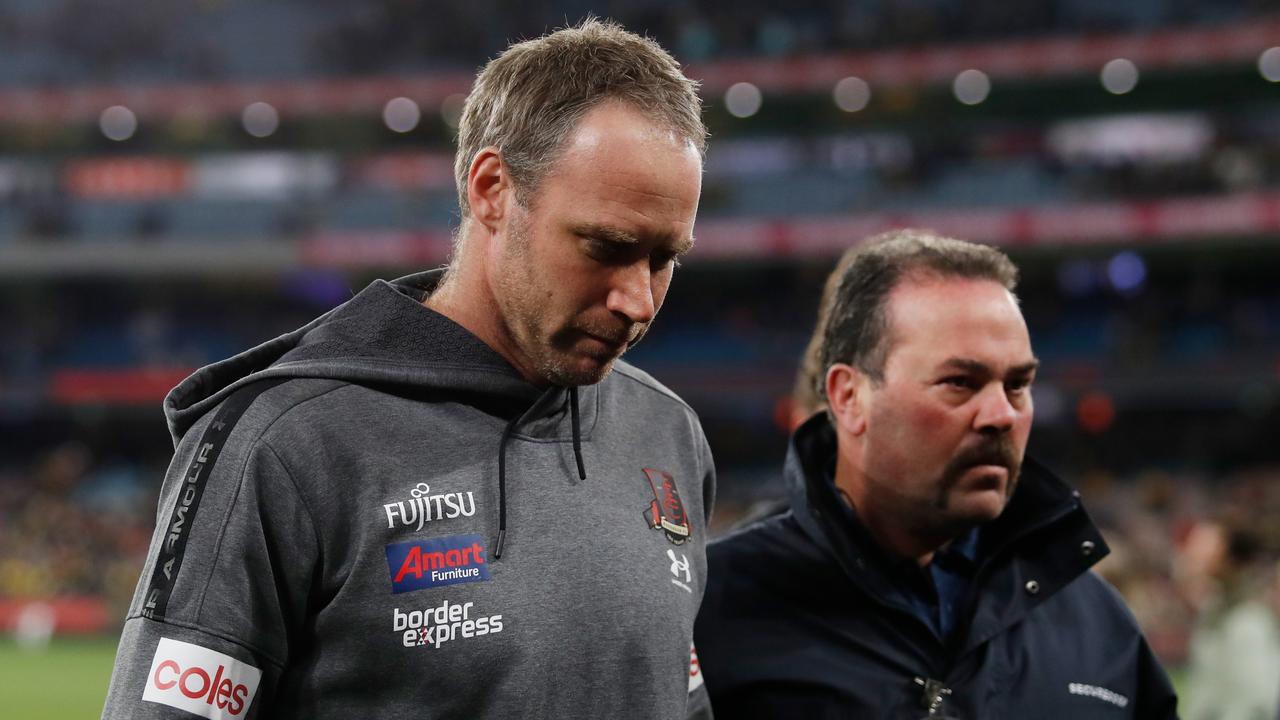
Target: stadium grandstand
{"points": [[180, 180]]}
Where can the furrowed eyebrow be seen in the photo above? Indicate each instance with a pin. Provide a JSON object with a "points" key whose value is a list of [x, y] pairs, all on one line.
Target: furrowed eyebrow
{"points": [[622, 237], [980, 368]]}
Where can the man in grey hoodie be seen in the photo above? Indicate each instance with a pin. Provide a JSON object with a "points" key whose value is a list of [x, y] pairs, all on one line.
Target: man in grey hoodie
{"points": [[437, 500]]}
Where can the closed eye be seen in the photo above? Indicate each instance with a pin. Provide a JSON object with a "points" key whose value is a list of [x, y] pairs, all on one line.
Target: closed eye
{"points": [[1020, 384], [962, 382], [664, 258], [608, 251]]}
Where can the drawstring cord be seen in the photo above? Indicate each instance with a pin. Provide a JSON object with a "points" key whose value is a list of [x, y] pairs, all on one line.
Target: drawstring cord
{"points": [[577, 432], [502, 486], [502, 465]]}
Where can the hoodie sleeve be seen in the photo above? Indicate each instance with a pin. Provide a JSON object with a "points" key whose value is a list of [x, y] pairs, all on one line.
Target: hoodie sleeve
{"points": [[708, 465], [699, 702], [225, 584]]}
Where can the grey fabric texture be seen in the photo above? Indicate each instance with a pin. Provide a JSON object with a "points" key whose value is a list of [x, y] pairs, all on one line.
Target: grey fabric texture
{"points": [[385, 437]]}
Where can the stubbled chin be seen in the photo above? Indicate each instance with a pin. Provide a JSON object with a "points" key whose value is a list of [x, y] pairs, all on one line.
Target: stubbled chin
{"points": [[979, 505], [582, 370]]}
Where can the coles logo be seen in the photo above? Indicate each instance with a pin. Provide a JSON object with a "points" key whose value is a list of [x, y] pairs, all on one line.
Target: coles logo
{"points": [[695, 669], [451, 560], [201, 681]]}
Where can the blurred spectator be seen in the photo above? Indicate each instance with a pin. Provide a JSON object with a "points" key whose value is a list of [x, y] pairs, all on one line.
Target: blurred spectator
{"points": [[1234, 670]]}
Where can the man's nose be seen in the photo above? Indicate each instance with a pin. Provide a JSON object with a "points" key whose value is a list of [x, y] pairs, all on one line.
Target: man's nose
{"points": [[632, 293], [996, 413]]}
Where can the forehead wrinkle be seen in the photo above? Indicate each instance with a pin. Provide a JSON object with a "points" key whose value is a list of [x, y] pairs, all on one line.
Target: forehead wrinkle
{"points": [[631, 189]]}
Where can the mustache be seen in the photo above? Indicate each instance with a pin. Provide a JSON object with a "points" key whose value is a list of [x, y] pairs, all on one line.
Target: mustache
{"points": [[627, 334], [998, 450]]}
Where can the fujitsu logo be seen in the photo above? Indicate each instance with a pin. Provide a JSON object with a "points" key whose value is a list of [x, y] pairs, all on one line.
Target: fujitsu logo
{"points": [[422, 507], [201, 681]]}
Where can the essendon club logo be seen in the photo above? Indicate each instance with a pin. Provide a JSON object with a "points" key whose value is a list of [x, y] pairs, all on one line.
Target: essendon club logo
{"points": [[666, 512]]}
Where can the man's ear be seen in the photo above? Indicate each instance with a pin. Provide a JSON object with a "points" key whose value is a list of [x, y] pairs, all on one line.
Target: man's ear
{"points": [[846, 395], [488, 188]]}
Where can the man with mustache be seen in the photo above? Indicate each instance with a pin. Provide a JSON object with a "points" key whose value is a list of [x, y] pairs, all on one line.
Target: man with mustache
{"points": [[925, 568], [449, 497]]}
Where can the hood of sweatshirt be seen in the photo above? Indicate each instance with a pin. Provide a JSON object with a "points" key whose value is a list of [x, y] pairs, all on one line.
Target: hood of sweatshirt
{"points": [[384, 336]]}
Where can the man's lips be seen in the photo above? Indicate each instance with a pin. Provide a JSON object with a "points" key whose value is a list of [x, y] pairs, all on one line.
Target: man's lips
{"points": [[609, 343], [987, 474]]}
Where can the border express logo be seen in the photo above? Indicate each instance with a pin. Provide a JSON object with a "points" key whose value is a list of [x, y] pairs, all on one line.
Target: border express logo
{"points": [[666, 512], [448, 622], [421, 564]]}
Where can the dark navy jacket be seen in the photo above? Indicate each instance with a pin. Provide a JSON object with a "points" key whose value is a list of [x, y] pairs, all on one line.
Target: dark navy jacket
{"points": [[801, 619]]}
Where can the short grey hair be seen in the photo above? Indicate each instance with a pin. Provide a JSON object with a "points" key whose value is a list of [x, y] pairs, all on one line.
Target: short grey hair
{"points": [[528, 100]]}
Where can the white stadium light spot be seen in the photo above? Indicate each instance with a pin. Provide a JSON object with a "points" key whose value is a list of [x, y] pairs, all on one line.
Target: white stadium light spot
{"points": [[451, 109], [1119, 76], [971, 87], [118, 123], [743, 99], [260, 119], [401, 114], [852, 94], [1269, 64]]}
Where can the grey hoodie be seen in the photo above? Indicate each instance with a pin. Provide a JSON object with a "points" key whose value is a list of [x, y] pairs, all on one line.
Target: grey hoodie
{"points": [[335, 551]]}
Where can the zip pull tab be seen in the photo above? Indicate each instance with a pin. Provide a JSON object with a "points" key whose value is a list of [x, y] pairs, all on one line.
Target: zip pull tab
{"points": [[932, 694]]}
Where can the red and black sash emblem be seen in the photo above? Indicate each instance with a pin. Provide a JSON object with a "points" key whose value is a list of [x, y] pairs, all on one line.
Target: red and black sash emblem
{"points": [[666, 512]]}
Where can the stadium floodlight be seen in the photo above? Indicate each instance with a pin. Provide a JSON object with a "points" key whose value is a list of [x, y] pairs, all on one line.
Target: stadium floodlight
{"points": [[971, 86], [118, 123], [852, 94], [1127, 272], [1119, 76], [743, 99], [401, 114], [260, 119], [1269, 64]]}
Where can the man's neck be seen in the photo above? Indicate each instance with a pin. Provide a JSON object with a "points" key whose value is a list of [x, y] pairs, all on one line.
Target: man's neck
{"points": [[897, 535], [467, 299]]}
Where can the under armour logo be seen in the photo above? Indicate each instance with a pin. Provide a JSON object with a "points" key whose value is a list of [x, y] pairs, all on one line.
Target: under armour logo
{"points": [[679, 566]]}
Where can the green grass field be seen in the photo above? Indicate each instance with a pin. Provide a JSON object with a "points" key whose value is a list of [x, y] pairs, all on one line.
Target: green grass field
{"points": [[66, 681]]}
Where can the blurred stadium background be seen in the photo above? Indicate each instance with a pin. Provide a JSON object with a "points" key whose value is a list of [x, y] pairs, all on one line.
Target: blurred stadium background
{"points": [[186, 178]]}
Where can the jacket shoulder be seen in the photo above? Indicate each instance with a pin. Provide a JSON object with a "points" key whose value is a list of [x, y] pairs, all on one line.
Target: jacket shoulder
{"points": [[1104, 602], [769, 562]]}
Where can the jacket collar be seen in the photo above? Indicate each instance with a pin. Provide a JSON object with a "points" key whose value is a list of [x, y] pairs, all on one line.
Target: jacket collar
{"points": [[1067, 543]]}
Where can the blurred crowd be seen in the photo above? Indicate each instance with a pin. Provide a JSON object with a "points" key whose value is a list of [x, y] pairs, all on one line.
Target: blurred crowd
{"points": [[72, 525], [60, 43]]}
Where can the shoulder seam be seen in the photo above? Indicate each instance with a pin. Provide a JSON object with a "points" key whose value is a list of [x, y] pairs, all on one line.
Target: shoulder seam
{"points": [[235, 499], [660, 390], [302, 498]]}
